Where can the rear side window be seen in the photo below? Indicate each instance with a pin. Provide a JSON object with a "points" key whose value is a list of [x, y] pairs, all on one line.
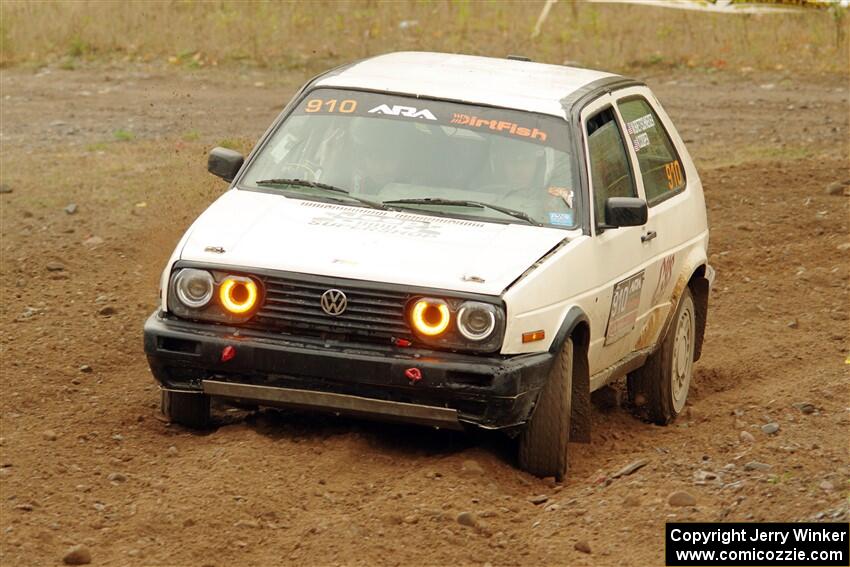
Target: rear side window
{"points": [[660, 166], [609, 164]]}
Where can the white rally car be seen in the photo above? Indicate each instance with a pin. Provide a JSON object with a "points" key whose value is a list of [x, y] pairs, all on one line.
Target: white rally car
{"points": [[445, 240]]}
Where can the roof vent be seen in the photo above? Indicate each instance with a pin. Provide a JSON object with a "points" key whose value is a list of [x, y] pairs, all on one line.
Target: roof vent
{"points": [[519, 58]]}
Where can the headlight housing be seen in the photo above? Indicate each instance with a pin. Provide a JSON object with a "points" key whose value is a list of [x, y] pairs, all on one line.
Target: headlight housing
{"points": [[238, 294], [194, 288], [430, 317], [476, 321], [457, 324], [213, 295]]}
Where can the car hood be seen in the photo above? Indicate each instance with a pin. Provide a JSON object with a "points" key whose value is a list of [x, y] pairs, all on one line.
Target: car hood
{"points": [[251, 229]]}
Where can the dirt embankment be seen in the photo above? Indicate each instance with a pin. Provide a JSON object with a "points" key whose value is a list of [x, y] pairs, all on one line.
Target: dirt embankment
{"points": [[86, 459]]}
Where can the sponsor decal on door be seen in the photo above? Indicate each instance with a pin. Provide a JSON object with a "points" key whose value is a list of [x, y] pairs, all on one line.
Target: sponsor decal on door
{"points": [[665, 274], [625, 303]]}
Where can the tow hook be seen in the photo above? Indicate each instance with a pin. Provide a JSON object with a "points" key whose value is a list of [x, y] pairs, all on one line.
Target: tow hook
{"points": [[413, 374], [228, 353]]}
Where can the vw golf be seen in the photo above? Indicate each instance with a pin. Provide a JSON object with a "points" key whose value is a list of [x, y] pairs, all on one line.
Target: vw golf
{"points": [[445, 240]]}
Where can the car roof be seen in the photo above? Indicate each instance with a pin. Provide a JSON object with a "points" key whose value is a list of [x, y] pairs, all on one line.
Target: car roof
{"points": [[510, 83]]}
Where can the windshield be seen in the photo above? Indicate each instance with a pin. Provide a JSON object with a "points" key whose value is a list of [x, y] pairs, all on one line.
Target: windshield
{"points": [[435, 157]]}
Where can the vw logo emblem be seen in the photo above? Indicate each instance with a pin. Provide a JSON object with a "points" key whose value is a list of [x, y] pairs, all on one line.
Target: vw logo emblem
{"points": [[334, 302]]}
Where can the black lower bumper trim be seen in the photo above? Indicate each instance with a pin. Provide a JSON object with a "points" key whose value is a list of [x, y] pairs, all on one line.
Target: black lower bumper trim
{"points": [[488, 391]]}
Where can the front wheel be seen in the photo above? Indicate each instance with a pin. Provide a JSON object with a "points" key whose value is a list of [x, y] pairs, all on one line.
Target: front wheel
{"points": [[186, 408], [543, 442], [659, 389]]}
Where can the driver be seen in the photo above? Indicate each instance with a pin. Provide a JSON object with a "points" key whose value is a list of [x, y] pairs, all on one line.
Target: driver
{"points": [[521, 172], [515, 164]]}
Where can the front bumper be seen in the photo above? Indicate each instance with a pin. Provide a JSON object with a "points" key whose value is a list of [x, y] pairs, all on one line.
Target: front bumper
{"points": [[492, 392]]}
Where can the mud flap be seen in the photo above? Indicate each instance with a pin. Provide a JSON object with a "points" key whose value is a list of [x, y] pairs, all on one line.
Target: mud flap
{"points": [[699, 289], [580, 407]]}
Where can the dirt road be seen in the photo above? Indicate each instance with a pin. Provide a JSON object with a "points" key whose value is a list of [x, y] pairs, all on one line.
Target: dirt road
{"points": [[86, 459]]}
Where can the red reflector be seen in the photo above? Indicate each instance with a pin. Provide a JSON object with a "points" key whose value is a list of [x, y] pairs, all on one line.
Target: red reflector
{"points": [[413, 374], [401, 342], [227, 353]]}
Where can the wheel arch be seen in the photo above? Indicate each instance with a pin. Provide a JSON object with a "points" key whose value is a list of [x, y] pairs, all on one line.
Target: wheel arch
{"points": [[696, 276], [700, 284], [576, 326]]}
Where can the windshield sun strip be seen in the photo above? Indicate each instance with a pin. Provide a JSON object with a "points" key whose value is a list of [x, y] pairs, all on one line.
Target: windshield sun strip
{"points": [[558, 134]]}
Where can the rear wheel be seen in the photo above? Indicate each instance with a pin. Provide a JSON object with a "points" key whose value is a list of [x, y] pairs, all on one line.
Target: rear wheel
{"points": [[659, 389], [543, 443], [186, 408]]}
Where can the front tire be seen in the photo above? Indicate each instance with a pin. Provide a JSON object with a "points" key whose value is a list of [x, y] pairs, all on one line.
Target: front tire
{"points": [[543, 442], [659, 389], [186, 408]]}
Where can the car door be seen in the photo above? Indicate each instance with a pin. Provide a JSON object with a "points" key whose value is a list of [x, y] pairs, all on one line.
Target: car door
{"points": [[662, 181], [618, 252]]}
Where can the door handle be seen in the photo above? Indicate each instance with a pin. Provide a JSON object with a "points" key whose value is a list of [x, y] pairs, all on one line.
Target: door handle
{"points": [[648, 236]]}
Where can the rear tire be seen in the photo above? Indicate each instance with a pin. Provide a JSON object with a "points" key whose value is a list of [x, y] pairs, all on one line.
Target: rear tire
{"points": [[186, 408], [543, 442], [658, 391]]}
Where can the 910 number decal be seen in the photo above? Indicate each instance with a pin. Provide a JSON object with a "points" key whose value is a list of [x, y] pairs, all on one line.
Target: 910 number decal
{"points": [[674, 175], [346, 106], [625, 302]]}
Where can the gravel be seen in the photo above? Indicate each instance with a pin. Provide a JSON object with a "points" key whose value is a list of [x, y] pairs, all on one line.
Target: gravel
{"points": [[472, 467], [582, 546], [681, 498], [631, 468], [757, 466], [116, 477], [631, 501], [93, 242], [467, 519], [77, 555], [835, 188], [770, 428], [539, 499], [702, 477]]}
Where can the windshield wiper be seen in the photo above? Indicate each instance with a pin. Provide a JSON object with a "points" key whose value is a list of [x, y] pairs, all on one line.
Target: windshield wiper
{"points": [[459, 203], [323, 186]]}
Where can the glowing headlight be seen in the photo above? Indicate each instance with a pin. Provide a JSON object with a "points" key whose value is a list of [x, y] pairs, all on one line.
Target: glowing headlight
{"points": [[194, 288], [430, 317], [237, 294], [476, 321]]}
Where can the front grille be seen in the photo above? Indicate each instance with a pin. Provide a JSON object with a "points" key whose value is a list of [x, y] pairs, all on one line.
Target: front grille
{"points": [[294, 306]]}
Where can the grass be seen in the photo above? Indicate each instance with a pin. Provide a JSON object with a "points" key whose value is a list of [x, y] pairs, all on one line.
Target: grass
{"points": [[315, 35], [130, 166], [240, 145], [97, 147], [123, 135], [720, 156]]}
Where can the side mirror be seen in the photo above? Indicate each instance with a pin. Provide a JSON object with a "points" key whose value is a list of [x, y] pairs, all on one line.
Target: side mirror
{"points": [[224, 163], [625, 211]]}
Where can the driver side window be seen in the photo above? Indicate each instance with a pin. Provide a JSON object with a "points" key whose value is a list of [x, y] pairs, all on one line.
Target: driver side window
{"points": [[610, 172]]}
